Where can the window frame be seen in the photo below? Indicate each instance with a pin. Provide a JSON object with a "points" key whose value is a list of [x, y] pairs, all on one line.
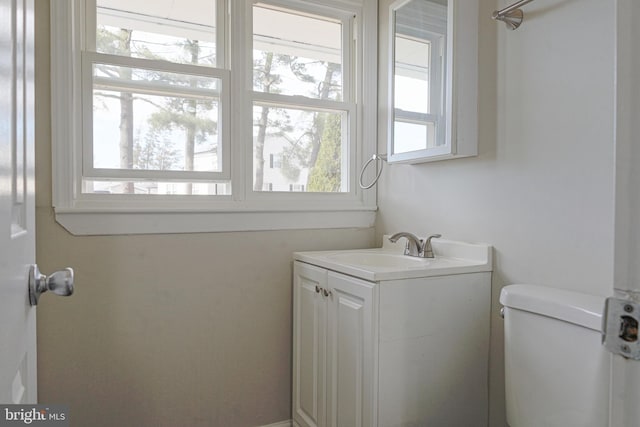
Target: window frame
{"points": [[244, 210], [298, 102], [89, 171]]}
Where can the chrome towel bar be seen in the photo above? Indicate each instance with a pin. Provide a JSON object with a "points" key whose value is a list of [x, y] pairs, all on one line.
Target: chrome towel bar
{"points": [[512, 15]]}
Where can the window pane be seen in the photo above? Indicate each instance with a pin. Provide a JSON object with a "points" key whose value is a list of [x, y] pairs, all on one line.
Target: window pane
{"points": [[295, 54], [308, 149], [413, 136], [182, 32], [137, 131], [411, 76], [158, 123], [157, 188]]}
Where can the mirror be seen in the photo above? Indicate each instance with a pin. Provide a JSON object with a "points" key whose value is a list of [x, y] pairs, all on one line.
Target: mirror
{"points": [[433, 80]]}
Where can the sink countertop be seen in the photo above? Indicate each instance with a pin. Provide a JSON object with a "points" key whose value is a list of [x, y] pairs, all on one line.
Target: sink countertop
{"points": [[389, 263]]}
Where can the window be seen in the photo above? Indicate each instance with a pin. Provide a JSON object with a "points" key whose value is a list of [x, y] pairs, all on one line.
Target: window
{"points": [[301, 96], [275, 162], [196, 109], [154, 100]]}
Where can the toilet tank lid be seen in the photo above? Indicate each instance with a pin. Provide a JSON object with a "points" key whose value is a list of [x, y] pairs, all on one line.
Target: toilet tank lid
{"points": [[574, 307]]}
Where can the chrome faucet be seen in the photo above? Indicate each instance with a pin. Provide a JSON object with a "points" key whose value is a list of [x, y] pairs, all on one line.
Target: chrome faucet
{"points": [[416, 246]]}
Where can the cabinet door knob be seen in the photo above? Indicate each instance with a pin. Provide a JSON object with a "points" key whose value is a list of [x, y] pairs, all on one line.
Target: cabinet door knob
{"points": [[327, 293], [318, 288]]}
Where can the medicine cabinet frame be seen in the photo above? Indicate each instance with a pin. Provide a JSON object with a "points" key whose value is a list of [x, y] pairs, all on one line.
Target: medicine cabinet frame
{"points": [[460, 106]]}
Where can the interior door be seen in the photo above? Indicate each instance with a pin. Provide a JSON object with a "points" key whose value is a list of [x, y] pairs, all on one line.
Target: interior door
{"points": [[625, 383], [17, 240]]}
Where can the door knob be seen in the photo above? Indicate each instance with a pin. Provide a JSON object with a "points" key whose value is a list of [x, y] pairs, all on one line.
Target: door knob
{"points": [[60, 283]]}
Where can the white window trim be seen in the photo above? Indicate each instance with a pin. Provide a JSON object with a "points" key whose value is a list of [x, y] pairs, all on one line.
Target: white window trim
{"points": [[90, 214]]}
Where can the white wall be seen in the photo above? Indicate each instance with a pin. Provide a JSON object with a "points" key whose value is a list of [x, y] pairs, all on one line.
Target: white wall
{"points": [[165, 330], [541, 190]]}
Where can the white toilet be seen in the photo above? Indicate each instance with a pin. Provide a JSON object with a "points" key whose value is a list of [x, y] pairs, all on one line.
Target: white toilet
{"points": [[556, 369]]}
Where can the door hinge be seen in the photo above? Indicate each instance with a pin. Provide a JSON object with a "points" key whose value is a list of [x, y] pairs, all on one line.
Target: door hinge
{"points": [[620, 327]]}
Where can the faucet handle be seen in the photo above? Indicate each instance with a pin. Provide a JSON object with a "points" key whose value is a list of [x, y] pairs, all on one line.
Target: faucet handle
{"points": [[427, 249]]}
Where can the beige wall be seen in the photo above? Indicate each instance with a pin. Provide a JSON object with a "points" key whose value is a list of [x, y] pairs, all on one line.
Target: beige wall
{"points": [[541, 190], [167, 330]]}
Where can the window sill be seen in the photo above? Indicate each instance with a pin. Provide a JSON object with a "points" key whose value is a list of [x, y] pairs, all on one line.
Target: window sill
{"points": [[101, 222]]}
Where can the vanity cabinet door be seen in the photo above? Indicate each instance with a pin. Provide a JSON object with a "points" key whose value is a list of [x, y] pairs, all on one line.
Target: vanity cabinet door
{"points": [[309, 345], [351, 351]]}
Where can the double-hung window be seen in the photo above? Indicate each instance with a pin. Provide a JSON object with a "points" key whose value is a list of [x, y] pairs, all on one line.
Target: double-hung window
{"points": [[302, 103], [211, 115], [154, 97]]}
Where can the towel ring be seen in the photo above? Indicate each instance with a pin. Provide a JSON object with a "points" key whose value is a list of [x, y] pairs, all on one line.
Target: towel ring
{"points": [[383, 158]]}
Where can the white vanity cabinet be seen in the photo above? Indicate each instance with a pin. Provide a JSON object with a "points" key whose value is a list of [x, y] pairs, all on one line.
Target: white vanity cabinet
{"points": [[389, 352], [333, 348]]}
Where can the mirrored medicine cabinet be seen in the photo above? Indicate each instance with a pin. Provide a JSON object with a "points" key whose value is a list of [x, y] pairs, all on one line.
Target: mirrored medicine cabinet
{"points": [[432, 80]]}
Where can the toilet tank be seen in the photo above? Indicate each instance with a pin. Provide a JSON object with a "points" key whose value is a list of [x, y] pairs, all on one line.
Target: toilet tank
{"points": [[556, 369]]}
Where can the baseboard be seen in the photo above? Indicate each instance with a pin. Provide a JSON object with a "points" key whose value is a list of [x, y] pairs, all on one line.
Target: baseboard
{"points": [[286, 423]]}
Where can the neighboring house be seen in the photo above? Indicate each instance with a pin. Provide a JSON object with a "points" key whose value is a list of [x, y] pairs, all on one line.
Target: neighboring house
{"points": [[277, 177]]}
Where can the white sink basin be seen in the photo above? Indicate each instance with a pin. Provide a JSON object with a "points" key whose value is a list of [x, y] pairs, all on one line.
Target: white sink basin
{"points": [[379, 260], [389, 262]]}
